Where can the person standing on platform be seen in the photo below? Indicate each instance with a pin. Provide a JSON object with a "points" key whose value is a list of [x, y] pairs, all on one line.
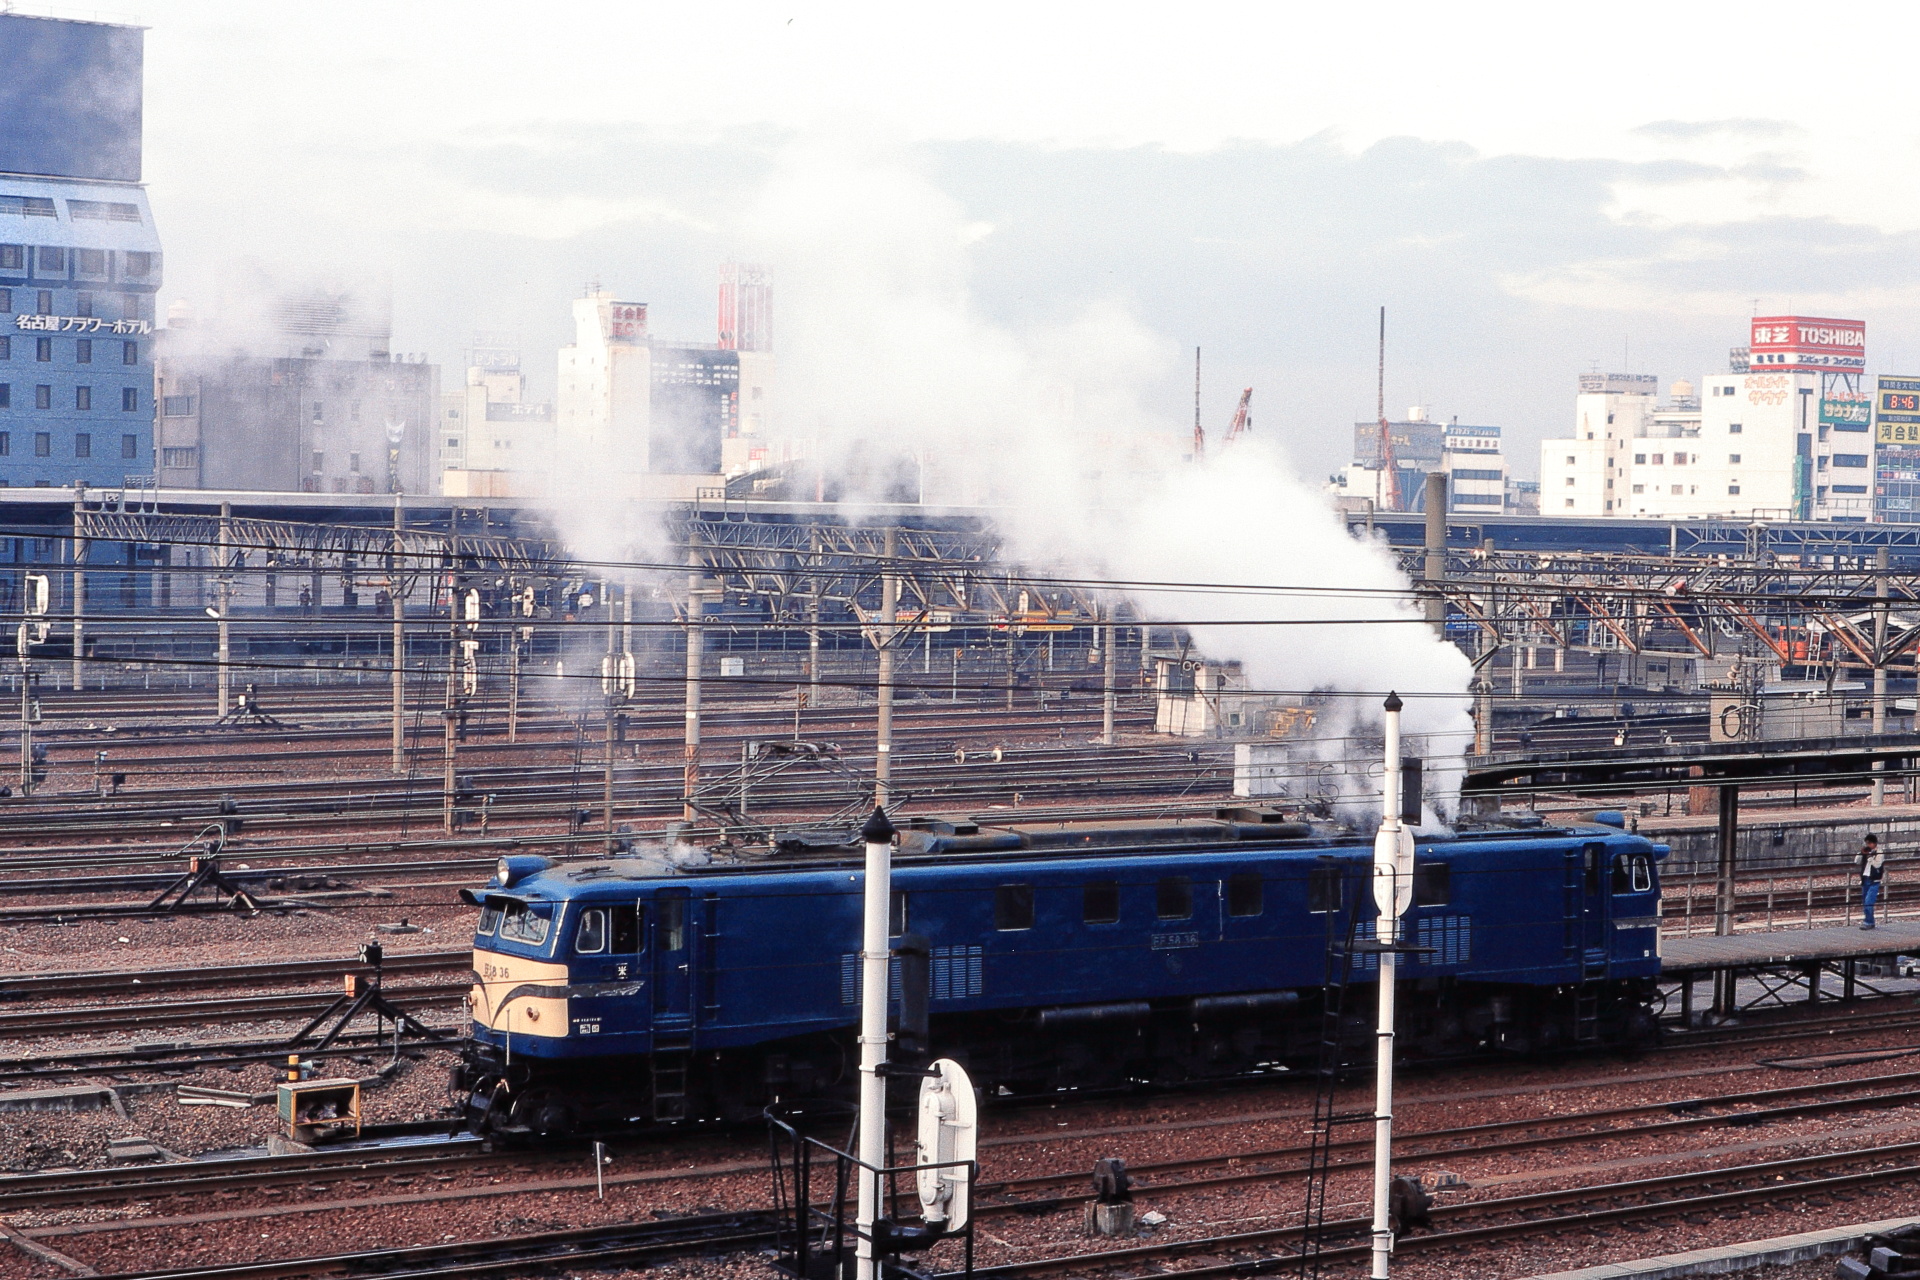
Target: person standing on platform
{"points": [[1873, 867]]}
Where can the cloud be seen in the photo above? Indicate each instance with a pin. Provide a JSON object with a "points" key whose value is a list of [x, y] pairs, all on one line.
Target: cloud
{"points": [[1747, 127]]}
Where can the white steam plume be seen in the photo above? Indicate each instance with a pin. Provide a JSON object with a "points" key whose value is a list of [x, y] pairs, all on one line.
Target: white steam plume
{"points": [[883, 351]]}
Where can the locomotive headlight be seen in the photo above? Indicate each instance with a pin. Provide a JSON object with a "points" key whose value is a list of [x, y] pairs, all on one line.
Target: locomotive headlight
{"points": [[518, 866]]}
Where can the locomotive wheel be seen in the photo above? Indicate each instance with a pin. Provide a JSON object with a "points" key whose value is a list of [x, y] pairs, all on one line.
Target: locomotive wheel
{"points": [[544, 1114]]}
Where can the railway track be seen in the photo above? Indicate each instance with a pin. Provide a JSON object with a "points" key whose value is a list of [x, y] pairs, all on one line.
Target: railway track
{"points": [[124, 982], [142, 1015], [589, 1249], [1646, 1201]]}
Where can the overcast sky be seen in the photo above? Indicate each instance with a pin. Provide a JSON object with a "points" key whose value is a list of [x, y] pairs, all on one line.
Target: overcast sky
{"points": [[1531, 190]]}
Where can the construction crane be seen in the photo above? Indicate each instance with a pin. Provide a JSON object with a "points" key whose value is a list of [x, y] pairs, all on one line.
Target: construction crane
{"points": [[1242, 416], [1242, 419]]}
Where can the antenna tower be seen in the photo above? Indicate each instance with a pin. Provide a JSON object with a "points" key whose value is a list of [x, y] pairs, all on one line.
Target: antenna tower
{"points": [[1390, 478], [1199, 435]]}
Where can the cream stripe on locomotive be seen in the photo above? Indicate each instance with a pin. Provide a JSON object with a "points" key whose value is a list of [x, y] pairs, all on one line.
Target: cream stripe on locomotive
{"points": [[513, 994]]}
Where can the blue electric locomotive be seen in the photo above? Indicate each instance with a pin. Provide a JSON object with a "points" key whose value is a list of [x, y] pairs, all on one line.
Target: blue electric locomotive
{"points": [[1078, 956]]}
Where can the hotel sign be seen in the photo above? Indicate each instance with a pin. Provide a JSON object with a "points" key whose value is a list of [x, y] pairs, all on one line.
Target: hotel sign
{"points": [[81, 324]]}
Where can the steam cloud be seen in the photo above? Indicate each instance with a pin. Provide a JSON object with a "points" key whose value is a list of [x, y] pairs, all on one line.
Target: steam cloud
{"points": [[883, 352]]}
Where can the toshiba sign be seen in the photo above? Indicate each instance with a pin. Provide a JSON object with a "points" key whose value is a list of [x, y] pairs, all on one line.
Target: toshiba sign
{"points": [[1808, 342]]}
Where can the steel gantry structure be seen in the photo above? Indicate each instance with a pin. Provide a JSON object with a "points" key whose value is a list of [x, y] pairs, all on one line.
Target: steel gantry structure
{"points": [[1813, 610]]}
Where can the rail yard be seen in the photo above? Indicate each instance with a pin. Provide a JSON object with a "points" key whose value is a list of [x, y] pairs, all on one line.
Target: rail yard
{"points": [[249, 844]]}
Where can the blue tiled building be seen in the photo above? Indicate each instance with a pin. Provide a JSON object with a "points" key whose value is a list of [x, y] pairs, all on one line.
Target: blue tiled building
{"points": [[79, 258]]}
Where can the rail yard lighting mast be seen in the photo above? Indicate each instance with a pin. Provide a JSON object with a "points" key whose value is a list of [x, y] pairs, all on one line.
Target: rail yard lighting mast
{"points": [[1392, 894]]}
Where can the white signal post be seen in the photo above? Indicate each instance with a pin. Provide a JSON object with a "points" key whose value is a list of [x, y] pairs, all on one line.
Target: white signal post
{"points": [[1392, 894], [874, 959]]}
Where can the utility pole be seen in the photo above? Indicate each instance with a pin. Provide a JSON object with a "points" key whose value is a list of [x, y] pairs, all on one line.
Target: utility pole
{"points": [[449, 712], [1880, 668], [80, 554], [223, 587], [883, 636], [696, 643], [1108, 662], [399, 673], [35, 593]]}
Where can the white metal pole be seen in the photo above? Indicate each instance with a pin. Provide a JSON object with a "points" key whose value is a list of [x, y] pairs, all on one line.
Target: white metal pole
{"points": [[1392, 890], [874, 958]]}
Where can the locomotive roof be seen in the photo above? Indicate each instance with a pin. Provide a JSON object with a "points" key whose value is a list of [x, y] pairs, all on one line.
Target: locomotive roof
{"points": [[933, 842]]}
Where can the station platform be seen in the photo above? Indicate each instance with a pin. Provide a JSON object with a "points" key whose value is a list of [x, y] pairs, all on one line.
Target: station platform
{"points": [[1769, 948], [1775, 967]]}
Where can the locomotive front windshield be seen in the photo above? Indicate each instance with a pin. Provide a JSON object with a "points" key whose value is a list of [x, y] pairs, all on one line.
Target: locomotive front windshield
{"points": [[525, 923]]}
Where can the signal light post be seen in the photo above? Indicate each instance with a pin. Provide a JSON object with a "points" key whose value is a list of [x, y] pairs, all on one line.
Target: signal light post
{"points": [[875, 958], [1392, 895]]}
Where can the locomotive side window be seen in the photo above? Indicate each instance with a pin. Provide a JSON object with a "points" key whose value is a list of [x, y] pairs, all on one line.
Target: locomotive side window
{"points": [[1100, 903], [628, 936], [1245, 896], [489, 918], [590, 935], [1013, 907], [1323, 889], [1632, 873], [673, 923], [1174, 898], [1432, 884]]}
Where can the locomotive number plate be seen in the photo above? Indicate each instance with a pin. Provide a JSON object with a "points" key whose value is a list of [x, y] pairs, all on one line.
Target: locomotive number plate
{"points": [[1175, 941]]}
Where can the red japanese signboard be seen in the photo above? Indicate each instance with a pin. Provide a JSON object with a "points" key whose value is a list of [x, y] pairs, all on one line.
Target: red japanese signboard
{"points": [[1808, 342]]}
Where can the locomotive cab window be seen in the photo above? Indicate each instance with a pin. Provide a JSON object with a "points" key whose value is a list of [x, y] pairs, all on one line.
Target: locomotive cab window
{"points": [[590, 935], [1632, 873], [1244, 895], [628, 935], [1013, 907], [1173, 900], [1432, 884], [1100, 903], [489, 918]]}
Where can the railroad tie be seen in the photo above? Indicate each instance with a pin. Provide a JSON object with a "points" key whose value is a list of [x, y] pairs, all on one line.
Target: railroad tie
{"points": [[45, 1253]]}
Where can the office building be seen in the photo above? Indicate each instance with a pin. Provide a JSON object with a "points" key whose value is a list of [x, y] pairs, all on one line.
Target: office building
{"points": [[667, 417], [488, 428], [1780, 436], [305, 398], [1470, 456], [79, 257]]}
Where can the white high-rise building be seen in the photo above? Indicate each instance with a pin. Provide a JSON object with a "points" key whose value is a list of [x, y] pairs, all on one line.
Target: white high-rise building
{"points": [[1476, 470], [1582, 475], [1769, 440]]}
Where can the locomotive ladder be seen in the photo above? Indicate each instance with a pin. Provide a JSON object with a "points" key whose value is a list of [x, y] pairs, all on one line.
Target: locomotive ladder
{"points": [[1334, 1059], [670, 1059]]}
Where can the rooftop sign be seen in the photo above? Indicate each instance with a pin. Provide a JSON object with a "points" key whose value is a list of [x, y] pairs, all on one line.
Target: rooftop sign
{"points": [[1808, 342]]}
